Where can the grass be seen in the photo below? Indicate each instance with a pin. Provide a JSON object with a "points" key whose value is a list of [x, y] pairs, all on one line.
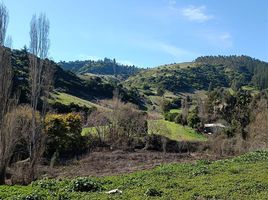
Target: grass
{"points": [[91, 130], [67, 99], [244, 177], [88, 130], [232, 92], [171, 130], [175, 111], [248, 88], [174, 131]]}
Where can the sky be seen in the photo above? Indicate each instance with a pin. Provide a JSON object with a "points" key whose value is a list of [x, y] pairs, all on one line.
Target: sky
{"points": [[145, 33]]}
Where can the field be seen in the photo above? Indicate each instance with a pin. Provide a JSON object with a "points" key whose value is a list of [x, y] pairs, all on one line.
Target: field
{"points": [[174, 131], [244, 177], [168, 129], [67, 99]]}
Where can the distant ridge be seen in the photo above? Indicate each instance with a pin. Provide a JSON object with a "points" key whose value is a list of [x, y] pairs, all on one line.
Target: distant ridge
{"points": [[102, 67]]}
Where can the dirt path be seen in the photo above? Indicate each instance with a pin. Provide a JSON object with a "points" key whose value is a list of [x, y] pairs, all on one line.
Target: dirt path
{"points": [[118, 162]]}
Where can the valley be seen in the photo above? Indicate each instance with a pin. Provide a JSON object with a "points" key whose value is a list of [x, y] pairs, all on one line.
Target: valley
{"points": [[133, 100]]}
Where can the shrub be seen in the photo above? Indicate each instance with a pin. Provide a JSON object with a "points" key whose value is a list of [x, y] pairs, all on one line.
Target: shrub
{"points": [[83, 184], [72, 107], [64, 134], [193, 120], [170, 116], [152, 192], [154, 142], [160, 91], [178, 119]]}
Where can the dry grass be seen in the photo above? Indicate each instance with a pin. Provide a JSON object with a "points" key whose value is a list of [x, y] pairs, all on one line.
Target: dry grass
{"points": [[119, 162]]}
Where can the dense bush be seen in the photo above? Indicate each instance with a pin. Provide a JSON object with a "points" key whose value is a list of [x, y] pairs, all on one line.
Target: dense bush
{"points": [[64, 135], [72, 107], [193, 120], [120, 127], [161, 143], [170, 116]]}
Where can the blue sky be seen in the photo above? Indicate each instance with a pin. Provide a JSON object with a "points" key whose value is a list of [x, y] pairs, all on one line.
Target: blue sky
{"points": [[146, 33]]}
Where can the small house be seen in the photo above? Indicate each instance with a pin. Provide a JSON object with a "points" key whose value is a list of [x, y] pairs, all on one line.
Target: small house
{"points": [[213, 128]]}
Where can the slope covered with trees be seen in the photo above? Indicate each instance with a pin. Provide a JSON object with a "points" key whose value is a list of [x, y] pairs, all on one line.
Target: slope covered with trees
{"points": [[205, 73], [242, 70], [68, 82], [103, 67]]}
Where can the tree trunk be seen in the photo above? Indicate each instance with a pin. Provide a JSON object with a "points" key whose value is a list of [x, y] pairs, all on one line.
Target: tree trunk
{"points": [[2, 175]]}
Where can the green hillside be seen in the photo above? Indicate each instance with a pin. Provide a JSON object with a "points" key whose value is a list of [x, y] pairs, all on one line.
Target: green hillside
{"points": [[243, 177], [67, 99], [202, 74], [84, 86]]}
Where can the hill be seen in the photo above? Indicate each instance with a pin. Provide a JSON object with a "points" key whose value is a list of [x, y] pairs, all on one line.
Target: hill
{"points": [[204, 73], [91, 88], [243, 177], [102, 67]]}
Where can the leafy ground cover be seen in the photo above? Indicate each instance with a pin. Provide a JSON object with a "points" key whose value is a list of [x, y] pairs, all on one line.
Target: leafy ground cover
{"points": [[243, 177]]}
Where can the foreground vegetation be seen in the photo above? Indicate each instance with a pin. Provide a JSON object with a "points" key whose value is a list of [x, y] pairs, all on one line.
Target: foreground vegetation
{"points": [[243, 177]]}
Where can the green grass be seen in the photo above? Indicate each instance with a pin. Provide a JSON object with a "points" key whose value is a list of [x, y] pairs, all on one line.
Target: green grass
{"points": [[251, 89], [248, 88], [168, 129], [174, 131], [244, 177], [232, 92], [91, 130], [67, 99], [88, 130], [175, 111]]}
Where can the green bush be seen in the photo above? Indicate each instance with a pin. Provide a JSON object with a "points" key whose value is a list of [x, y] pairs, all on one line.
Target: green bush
{"points": [[178, 119], [84, 184], [170, 116], [64, 135], [152, 192], [193, 120]]}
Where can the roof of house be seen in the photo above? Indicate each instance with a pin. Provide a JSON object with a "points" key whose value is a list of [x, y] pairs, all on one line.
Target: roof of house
{"points": [[214, 125]]}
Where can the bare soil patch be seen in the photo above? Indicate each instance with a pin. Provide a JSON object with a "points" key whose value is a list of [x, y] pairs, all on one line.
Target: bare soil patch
{"points": [[119, 162]]}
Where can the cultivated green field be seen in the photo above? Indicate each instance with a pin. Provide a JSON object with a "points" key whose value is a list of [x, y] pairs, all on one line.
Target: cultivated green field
{"points": [[244, 177], [174, 131]]}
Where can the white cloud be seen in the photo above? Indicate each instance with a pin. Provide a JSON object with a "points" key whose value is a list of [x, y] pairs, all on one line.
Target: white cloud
{"points": [[172, 3], [87, 57], [197, 14], [219, 39], [226, 39], [174, 51]]}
